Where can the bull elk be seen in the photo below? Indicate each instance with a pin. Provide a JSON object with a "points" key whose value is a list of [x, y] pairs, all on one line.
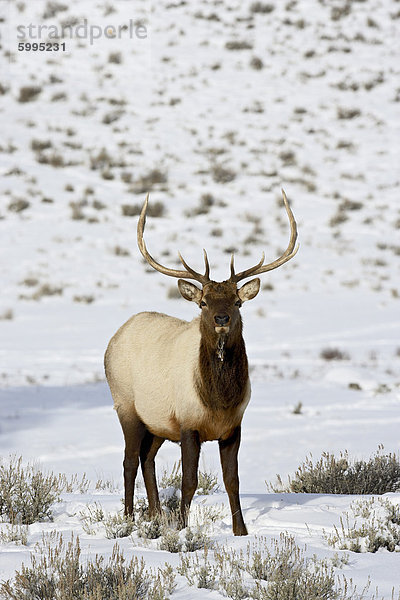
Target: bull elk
{"points": [[186, 381]]}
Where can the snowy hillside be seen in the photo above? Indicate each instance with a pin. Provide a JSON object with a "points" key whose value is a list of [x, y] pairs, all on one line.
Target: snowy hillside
{"points": [[213, 107]]}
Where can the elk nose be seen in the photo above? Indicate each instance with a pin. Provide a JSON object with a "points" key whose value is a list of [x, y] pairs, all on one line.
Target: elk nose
{"points": [[221, 319]]}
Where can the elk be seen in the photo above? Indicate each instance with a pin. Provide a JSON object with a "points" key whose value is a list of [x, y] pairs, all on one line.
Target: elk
{"points": [[187, 382]]}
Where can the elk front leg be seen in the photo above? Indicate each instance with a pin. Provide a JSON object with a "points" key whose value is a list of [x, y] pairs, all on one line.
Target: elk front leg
{"points": [[190, 449], [228, 450]]}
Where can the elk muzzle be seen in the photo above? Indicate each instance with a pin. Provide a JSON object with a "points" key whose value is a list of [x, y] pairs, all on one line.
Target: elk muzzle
{"points": [[221, 319], [221, 323]]}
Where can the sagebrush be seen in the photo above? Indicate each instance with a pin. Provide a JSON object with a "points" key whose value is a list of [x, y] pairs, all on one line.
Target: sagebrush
{"points": [[57, 572], [28, 494], [277, 570], [207, 481], [332, 475], [162, 527], [371, 524]]}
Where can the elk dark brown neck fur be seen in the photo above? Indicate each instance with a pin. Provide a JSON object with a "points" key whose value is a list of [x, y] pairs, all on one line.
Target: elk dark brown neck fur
{"points": [[222, 383]]}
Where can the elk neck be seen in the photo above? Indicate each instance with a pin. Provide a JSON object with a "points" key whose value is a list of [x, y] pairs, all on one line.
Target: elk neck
{"points": [[223, 368]]}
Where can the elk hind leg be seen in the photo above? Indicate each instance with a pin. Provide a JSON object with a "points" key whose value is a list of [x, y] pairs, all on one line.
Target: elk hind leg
{"points": [[134, 431], [148, 450]]}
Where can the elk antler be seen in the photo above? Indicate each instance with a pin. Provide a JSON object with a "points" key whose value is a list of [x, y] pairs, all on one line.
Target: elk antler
{"points": [[188, 274], [287, 255]]}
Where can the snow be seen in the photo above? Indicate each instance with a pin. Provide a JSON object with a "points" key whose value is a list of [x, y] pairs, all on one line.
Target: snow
{"points": [[185, 103]]}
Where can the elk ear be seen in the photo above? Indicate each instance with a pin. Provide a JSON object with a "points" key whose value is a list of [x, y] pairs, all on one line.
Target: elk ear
{"points": [[189, 291], [249, 290]]}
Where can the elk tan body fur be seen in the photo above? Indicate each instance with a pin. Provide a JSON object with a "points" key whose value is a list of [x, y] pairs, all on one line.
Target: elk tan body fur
{"points": [[152, 366]]}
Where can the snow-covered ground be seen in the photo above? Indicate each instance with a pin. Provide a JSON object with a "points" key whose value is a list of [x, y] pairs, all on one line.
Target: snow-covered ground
{"points": [[214, 110]]}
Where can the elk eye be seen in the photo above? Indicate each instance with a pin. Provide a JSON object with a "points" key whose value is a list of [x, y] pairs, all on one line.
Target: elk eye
{"points": [[202, 303], [238, 303]]}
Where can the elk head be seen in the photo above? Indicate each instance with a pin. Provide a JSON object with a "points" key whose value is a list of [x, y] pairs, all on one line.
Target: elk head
{"points": [[219, 301]]}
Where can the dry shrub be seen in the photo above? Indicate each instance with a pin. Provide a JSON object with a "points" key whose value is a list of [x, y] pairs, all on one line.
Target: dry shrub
{"points": [[238, 45], [173, 293], [155, 209], [222, 174], [347, 204], [26, 493], [53, 8], [204, 206], [146, 182], [47, 290], [59, 573], [334, 354], [331, 475], [371, 524], [340, 11], [115, 57], [277, 570], [261, 7], [28, 93], [256, 63], [54, 159], [39, 145], [18, 205], [84, 299], [77, 213], [348, 113], [207, 481], [7, 315]]}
